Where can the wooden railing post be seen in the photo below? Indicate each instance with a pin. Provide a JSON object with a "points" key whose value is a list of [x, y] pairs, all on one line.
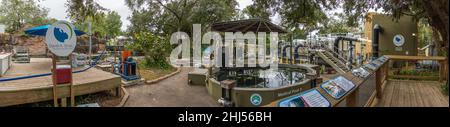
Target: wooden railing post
{"points": [[378, 82], [442, 70], [352, 98]]}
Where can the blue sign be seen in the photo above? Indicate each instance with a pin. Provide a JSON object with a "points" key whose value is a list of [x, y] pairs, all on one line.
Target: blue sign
{"points": [[399, 40], [60, 38], [256, 99]]}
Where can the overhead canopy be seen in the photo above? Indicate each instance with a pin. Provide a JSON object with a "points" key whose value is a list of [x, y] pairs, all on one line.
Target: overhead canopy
{"points": [[42, 31], [248, 25]]}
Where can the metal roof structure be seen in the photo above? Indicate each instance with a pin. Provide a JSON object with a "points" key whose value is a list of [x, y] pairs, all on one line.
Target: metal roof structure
{"points": [[247, 25]]}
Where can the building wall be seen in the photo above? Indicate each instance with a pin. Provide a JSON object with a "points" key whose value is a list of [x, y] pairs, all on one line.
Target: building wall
{"points": [[405, 26]]}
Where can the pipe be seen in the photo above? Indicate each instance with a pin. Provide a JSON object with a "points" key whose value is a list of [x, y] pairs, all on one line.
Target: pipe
{"points": [[47, 74], [350, 59], [336, 44], [375, 38]]}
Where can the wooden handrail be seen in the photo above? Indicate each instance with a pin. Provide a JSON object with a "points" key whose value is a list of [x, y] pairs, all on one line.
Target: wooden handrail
{"points": [[399, 57], [443, 66]]}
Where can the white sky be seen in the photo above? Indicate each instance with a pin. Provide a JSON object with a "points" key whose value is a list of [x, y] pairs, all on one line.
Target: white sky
{"points": [[57, 9]]}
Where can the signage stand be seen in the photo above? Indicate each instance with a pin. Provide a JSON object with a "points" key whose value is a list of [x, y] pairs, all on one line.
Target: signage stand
{"points": [[55, 84], [61, 41], [55, 94]]}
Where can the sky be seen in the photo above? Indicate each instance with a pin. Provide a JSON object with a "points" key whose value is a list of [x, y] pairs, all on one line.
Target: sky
{"points": [[57, 9]]}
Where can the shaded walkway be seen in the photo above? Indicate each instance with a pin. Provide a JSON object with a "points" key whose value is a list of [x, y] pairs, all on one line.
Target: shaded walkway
{"points": [[171, 92]]}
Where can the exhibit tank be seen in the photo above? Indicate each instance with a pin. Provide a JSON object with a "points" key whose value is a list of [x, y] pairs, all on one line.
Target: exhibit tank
{"points": [[267, 84]]}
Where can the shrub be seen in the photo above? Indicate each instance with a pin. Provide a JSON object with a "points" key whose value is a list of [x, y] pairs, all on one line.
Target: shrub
{"points": [[155, 48], [445, 88]]}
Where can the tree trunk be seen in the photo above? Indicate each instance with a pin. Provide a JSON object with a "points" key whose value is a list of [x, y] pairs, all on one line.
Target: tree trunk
{"points": [[437, 11]]}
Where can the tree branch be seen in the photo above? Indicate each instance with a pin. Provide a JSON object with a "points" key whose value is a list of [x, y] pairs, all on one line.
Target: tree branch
{"points": [[169, 9]]}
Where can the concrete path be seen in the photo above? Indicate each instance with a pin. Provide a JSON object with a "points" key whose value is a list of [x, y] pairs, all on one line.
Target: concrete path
{"points": [[171, 92]]}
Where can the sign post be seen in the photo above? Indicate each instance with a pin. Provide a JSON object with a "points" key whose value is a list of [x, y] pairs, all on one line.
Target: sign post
{"points": [[61, 41]]}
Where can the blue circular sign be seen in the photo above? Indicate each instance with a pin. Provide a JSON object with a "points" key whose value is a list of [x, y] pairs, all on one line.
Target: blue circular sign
{"points": [[399, 40], [256, 99], [61, 38]]}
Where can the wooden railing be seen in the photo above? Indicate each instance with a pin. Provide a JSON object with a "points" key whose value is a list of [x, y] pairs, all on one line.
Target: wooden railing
{"points": [[382, 75], [363, 86]]}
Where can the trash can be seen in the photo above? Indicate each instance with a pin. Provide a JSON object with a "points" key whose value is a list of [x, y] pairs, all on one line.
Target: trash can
{"points": [[63, 74]]}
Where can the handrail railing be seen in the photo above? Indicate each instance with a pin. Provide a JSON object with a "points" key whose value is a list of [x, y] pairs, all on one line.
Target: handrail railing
{"points": [[339, 57], [441, 60]]}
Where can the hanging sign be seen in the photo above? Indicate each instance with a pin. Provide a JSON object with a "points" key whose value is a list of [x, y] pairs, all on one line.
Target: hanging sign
{"points": [[61, 38]]}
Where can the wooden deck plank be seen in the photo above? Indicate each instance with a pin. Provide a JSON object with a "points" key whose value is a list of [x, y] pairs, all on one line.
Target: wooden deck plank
{"points": [[407, 95], [387, 97], [424, 95], [395, 97], [413, 94], [431, 95], [440, 99], [416, 96]]}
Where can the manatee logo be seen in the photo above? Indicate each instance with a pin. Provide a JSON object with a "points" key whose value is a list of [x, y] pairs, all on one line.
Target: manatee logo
{"points": [[399, 40], [60, 34], [60, 38], [256, 99]]}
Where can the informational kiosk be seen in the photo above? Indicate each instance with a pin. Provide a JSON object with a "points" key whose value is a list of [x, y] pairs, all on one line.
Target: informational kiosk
{"points": [[61, 41]]}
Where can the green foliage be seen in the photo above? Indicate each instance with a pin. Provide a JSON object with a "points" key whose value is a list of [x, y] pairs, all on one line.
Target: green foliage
{"points": [[155, 48], [425, 33], [15, 13], [152, 24], [445, 88], [258, 11], [105, 23], [336, 25], [113, 24], [81, 10], [418, 73], [167, 17], [305, 14]]}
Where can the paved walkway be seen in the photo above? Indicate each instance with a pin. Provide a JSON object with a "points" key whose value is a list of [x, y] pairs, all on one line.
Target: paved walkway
{"points": [[171, 92]]}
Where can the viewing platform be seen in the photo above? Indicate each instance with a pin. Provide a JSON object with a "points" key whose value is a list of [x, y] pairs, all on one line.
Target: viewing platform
{"points": [[39, 89]]}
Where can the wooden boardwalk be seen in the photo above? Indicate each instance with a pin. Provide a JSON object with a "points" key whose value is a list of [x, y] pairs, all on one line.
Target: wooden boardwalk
{"points": [[401, 93], [40, 88]]}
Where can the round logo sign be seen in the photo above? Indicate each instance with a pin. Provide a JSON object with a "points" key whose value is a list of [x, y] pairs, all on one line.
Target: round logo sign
{"points": [[256, 99], [61, 38], [399, 40]]}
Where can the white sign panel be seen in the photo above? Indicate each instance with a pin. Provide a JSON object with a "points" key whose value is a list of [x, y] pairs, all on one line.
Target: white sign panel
{"points": [[61, 38], [399, 40]]}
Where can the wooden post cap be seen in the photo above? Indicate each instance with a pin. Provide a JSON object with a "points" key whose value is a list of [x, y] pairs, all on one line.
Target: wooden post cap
{"points": [[228, 84]]}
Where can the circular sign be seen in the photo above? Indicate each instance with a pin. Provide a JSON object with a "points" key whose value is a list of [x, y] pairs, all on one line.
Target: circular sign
{"points": [[61, 38], [399, 40], [256, 99]]}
